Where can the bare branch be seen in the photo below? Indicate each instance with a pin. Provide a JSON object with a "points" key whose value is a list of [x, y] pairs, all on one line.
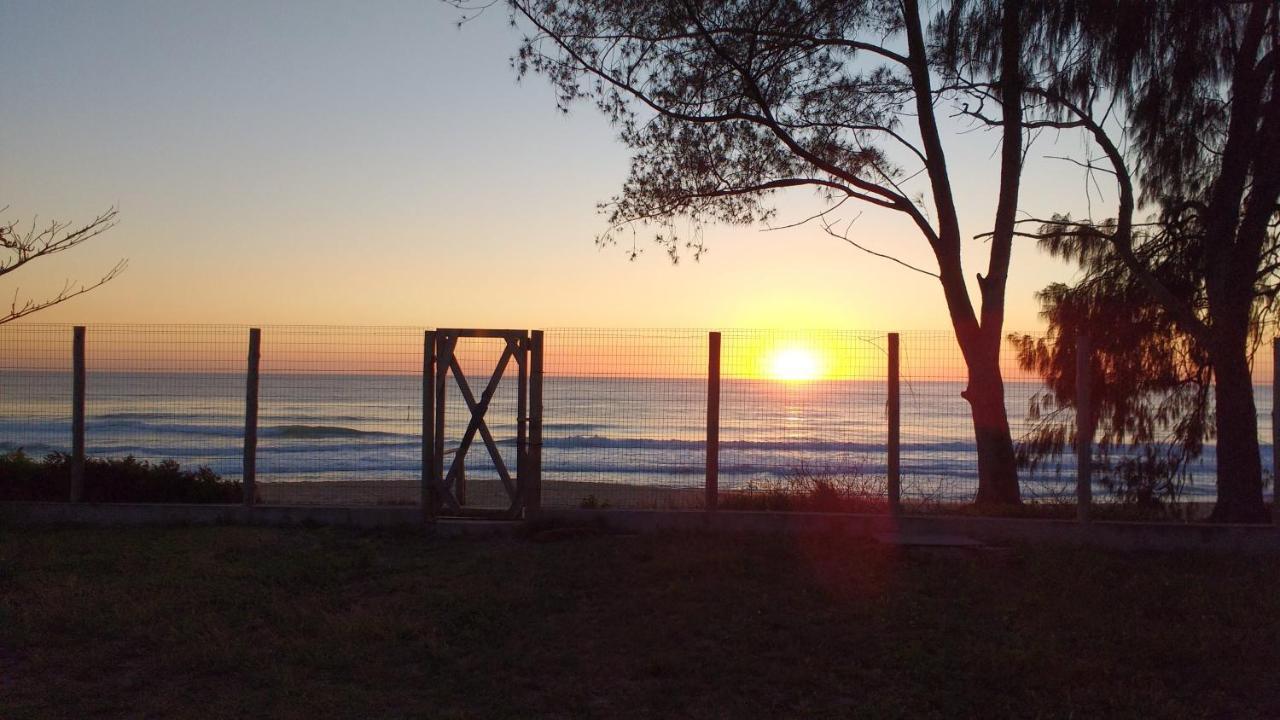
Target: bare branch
{"points": [[831, 230], [42, 241]]}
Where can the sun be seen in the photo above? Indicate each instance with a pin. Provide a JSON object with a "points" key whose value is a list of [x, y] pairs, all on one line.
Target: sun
{"points": [[794, 364]]}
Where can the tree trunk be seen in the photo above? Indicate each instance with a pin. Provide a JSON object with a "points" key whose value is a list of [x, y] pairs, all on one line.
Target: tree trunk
{"points": [[997, 466], [1239, 460], [979, 340]]}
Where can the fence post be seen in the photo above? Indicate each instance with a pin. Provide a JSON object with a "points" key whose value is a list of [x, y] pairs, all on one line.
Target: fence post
{"points": [[533, 489], [460, 481], [77, 413], [1084, 428], [443, 359], [428, 424], [1275, 432], [713, 421], [895, 429], [251, 418]]}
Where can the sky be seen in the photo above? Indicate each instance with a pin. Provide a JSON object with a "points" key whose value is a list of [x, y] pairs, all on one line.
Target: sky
{"points": [[336, 163]]}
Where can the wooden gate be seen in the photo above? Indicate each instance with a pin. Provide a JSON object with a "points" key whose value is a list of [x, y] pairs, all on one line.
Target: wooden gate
{"points": [[444, 479]]}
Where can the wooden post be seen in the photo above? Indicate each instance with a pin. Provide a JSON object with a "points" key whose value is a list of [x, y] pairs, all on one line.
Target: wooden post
{"points": [[77, 413], [893, 465], [444, 356], [522, 420], [428, 424], [1275, 431], [460, 482], [713, 420], [533, 488], [1084, 428], [251, 418]]}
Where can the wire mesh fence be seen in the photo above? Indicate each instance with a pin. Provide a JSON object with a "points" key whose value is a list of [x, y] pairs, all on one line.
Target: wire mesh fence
{"points": [[1264, 378], [625, 418], [939, 462], [803, 420], [803, 416], [35, 388], [340, 415], [166, 392]]}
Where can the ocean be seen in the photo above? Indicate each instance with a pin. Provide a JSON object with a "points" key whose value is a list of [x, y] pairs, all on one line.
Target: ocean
{"points": [[616, 430]]}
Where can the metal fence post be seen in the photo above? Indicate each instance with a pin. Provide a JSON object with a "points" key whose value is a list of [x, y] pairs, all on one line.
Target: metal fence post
{"points": [[713, 421], [251, 418], [1275, 432], [77, 413], [428, 424], [1084, 428], [895, 429]]}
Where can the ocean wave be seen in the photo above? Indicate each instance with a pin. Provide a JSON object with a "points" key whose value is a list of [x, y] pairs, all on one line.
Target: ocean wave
{"points": [[122, 427], [145, 416], [796, 445], [32, 449], [570, 427], [321, 432]]}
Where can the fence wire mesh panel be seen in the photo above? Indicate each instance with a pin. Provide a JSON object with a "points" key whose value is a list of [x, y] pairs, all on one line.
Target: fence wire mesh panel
{"points": [[1264, 395], [625, 418], [162, 393], [340, 416], [938, 457], [35, 389], [939, 452], [803, 420]]}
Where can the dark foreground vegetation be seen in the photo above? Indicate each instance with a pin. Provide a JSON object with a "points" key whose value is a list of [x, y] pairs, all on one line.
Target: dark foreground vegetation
{"points": [[248, 622], [127, 479], [848, 489]]}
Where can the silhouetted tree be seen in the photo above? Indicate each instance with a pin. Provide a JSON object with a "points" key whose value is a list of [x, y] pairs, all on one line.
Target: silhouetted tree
{"points": [[1151, 381], [1179, 99], [725, 102], [22, 247]]}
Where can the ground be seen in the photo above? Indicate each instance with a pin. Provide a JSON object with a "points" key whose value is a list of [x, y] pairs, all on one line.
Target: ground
{"points": [[253, 622]]}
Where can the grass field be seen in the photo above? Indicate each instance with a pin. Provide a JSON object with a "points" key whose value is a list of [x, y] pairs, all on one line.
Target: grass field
{"points": [[249, 622]]}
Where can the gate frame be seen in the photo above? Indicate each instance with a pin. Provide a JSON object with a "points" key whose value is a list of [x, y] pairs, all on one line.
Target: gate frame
{"points": [[524, 489]]}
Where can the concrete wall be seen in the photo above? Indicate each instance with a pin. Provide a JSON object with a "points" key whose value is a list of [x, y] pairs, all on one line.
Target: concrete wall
{"points": [[941, 530], [930, 530], [40, 513]]}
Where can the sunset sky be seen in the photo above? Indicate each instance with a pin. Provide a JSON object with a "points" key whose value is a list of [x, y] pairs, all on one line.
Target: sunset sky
{"points": [[336, 163]]}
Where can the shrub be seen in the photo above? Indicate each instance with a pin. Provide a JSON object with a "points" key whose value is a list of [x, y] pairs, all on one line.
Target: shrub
{"points": [[124, 479], [810, 488], [591, 502]]}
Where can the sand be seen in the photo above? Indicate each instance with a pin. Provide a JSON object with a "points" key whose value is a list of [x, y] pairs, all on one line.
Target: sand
{"points": [[480, 494]]}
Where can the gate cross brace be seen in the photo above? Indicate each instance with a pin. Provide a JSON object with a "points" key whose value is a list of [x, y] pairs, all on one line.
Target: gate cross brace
{"points": [[477, 423]]}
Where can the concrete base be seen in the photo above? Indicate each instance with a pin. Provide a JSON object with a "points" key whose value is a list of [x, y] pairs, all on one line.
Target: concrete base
{"points": [[39, 513], [911, 530], [1241, 539]]}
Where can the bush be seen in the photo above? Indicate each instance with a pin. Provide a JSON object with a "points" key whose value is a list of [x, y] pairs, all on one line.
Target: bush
{"points": [[807, 488], [1147, 480], [124, 479]]}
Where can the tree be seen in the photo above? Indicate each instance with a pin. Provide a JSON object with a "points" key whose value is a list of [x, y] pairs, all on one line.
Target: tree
{"points": [[1152, 382], [22, 247], [724, 103], [1180, 99]]}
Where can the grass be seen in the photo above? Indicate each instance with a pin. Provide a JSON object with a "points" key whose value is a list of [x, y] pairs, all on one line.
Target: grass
{"points": [[254, 622]]}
